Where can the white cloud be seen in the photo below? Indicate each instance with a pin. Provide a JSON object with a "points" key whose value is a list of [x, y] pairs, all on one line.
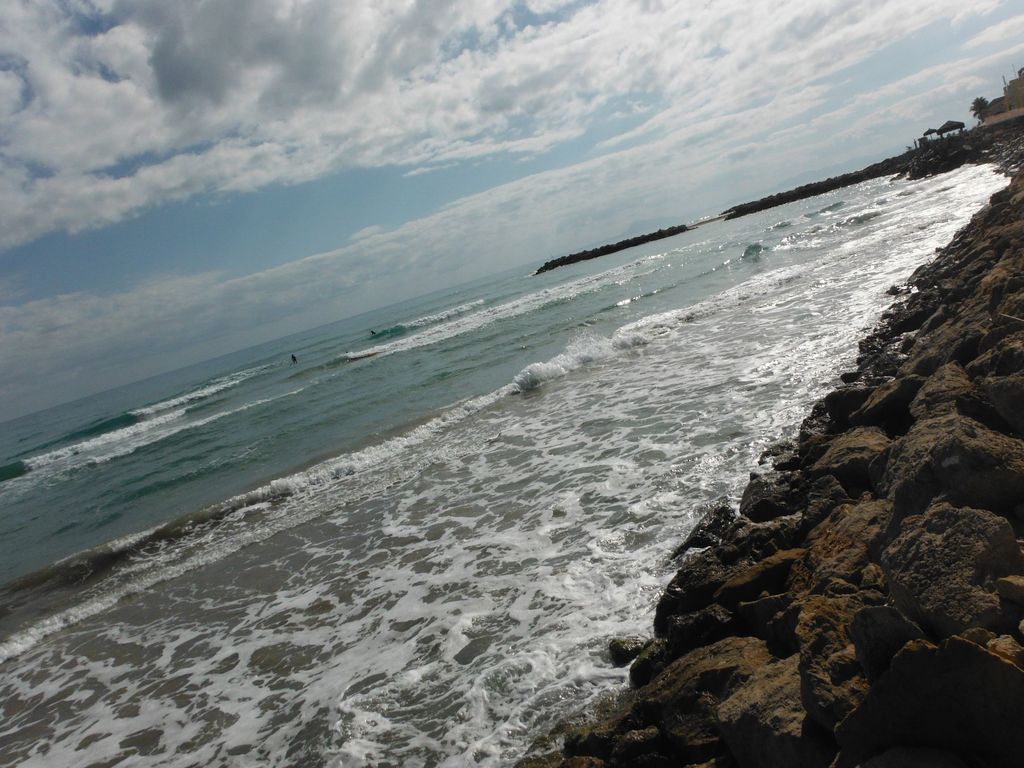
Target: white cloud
{"points": [[133, 104]]}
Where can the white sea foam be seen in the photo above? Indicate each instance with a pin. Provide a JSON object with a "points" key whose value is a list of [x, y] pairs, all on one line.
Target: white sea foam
{"points": [[202, 393], [446, 314]]}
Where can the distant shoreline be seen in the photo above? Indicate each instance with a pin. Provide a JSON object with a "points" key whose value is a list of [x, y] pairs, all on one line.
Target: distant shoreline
{"points": [[604, 250]]}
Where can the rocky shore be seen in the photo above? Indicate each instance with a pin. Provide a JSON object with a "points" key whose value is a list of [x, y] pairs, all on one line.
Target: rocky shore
{"points": [[864, 606]]}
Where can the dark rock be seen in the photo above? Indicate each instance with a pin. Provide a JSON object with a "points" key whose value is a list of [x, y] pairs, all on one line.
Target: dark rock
{"points": [[840, 403], [878, 632], [768, 575], [766, 497], [888, 407], [764, 724], [1011, 588], [692, 588], [633, 745], [1008, 648], [648, 663], [624, 649], [703, 627], [714, 524], [958, 697], [823, 496], [849, 457], [943, 567], [773, 619]]}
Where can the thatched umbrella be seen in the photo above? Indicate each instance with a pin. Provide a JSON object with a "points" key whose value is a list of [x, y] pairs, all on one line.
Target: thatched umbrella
{"points": [[950, 125]]}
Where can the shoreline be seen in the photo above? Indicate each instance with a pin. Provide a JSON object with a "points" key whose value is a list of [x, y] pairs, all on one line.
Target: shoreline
{"points": [[865, 604]]}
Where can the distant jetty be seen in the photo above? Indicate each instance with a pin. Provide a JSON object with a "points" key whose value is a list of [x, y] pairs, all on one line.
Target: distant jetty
{"points": [[604, 250]]}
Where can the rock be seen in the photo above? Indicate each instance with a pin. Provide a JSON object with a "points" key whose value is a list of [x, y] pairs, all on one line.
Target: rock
{"points": [[764, 724], [1005, 359], [1008, 648], [956, 456], [1007, 396], [624, 649], [878, 632], [840, 548], [840, 403], [714, 524], [692, 588], [1011, 588], [768, 575], [693, 630], [958, 697], [850, 455], [773, 619], [911, 757], [681, 700], [943, 567], [648, 663], [831, 680], [766, 496], [633, 745], [888, 407]]}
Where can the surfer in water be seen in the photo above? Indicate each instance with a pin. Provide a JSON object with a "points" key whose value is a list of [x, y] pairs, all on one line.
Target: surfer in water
{"points": [[373, 333], [294, 359]]}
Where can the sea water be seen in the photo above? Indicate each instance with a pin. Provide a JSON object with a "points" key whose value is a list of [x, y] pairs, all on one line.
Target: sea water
{"points": [[411, 547]]}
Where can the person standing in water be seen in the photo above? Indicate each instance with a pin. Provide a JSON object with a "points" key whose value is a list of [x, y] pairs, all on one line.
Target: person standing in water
{"points": [[294, 359]]}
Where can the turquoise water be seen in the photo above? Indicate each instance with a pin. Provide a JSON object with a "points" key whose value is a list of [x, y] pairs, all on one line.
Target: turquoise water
{"points": [[417, 556]]}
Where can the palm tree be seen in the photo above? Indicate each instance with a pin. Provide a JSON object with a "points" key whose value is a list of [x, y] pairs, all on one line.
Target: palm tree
{"points": [[978, 107]]}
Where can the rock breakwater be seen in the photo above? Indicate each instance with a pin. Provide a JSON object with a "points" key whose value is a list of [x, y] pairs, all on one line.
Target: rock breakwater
{"points": [[864, 604]]}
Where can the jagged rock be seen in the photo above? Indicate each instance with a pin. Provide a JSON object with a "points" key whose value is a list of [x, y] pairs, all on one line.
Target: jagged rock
{"points": [[849, 457], [714, 524], [768, 575], [636, 744], [943, 567], [840, 548], [773, 619], [1007, 396], [956, 456], [693, 630], [624, 649], [878, 632], [831, 680], [1005, 359], [764, 724], [888, 406], [692, 588], [648, 663], [958, 697], [766, 496]]}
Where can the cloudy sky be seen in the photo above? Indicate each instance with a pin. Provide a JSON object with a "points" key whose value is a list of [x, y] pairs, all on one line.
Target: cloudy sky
{"points": [[183, 179]]}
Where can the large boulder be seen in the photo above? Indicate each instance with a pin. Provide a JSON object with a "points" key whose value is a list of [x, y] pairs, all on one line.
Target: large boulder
{"points": [[888, 406], [765, 726], [957, 696], [1007, 396], [958, 457], [767, 575], [832, 683], [943, 566]]}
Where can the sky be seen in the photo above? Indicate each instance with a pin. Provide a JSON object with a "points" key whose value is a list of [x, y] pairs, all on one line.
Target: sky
{"points": [[179, 180]]}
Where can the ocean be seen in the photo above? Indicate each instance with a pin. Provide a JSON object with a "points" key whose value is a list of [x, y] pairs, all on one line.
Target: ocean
{"points": [[412, 546]]}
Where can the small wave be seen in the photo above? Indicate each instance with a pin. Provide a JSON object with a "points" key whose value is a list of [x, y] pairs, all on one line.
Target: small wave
{"points": [[103, 426], [780, 225], [827, 209], [753, 251], [446, 314], [861, 218], [215, 386], [583, 349]]}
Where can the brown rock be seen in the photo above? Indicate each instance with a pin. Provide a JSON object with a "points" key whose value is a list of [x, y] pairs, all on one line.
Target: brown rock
{"points": [[958, 697], [1011, 588], [943, 567], [766, 496], [764, 724], [840, 403], [1006, 358], [878, 632], [773, 619], [941, 392], [840, 548], [832, 683], [850, 455], [651, 660], [624, 649], [692, 587], [956, 456], [635, 744], [1008, 648], [824, 495], [714, 525], [703, 627]]}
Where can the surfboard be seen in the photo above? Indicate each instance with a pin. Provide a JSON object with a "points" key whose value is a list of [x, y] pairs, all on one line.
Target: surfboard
{"points": [[359, 355]]}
